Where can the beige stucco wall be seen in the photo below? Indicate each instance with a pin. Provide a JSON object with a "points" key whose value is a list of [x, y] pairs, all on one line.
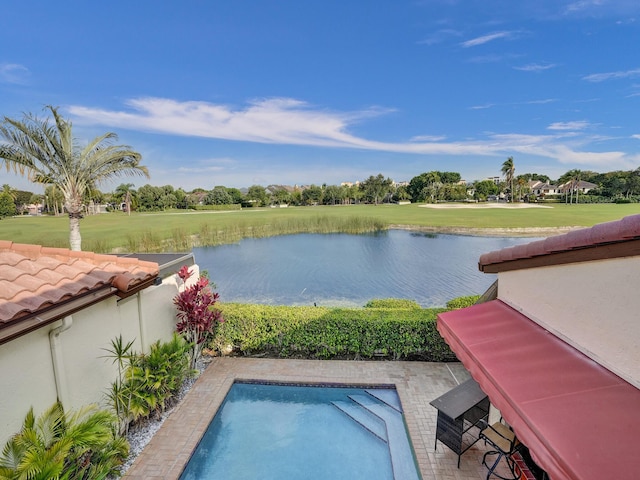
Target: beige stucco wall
{"points": [[592, 305], [25, 373], [26, 365]]}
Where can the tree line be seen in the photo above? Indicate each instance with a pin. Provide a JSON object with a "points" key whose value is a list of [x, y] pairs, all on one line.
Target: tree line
{"points": [[428, 187]]}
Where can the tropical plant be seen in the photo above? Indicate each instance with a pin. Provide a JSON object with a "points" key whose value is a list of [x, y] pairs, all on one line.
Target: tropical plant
{"points": [[50, 155], [7, 205], [376, 188], [197, 317], [146, 383], [125, 194], [78, 446], [508, 171], [119, 395]]}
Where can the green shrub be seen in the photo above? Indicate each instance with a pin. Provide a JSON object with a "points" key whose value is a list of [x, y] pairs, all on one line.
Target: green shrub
{"points": [[147, 382], [395, 303], [318, 332], [79, 446], [232, 206], [462, 302]]}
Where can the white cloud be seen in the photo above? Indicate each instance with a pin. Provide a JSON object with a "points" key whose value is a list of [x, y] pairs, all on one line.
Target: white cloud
{"points": [[601, 77], [482, 107], [14, 73], [535, 67], [289, 121], [428, 138], [439, 37], [576, 125], [636, 136], [485, 39]]}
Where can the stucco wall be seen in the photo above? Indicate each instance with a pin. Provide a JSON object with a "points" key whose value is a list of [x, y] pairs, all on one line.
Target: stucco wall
{"points": [[26, 365], [25, 370], [592, 305]]}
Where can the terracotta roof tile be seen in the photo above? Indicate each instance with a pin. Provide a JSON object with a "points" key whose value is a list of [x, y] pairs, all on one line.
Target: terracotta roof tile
{"points": [[628, 228], [33, 278]]}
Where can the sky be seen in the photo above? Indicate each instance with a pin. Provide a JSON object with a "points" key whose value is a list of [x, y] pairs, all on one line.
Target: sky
{"points": [[257, 92]]}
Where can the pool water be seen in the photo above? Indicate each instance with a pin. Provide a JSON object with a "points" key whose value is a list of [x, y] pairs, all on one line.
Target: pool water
{"points": [[265, 431]]}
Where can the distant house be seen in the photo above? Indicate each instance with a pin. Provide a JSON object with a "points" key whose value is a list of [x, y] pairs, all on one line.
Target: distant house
{"points": [[60, 310], [581, 187], [541, 189], [557, 350]]}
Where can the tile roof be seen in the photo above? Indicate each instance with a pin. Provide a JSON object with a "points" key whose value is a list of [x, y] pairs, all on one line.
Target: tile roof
{"points": [[603, 234], [34, 278]]}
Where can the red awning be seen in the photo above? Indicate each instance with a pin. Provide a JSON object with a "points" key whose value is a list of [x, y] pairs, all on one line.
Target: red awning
{"points": [[579, 420]]}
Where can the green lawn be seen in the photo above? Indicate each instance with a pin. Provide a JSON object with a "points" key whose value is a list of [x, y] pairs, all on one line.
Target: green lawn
{"points": [[177, 230]]}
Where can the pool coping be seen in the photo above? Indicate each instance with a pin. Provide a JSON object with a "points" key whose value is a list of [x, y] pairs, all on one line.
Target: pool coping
{"points": [[417, 383]]}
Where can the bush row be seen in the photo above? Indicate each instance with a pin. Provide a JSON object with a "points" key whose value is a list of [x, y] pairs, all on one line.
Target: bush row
{"points": [[232, 206], [407, 333]]}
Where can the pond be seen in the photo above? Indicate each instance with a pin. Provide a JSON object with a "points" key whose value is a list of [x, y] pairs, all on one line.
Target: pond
{"points": [[349, 270]]}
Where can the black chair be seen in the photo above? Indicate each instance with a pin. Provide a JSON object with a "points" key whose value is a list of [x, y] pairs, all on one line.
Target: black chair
{"points": [[505, 444]]}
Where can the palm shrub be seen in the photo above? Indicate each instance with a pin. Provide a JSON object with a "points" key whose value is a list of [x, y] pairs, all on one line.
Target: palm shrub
{"points": [[56, 445], [197, 317], [146, 383]]}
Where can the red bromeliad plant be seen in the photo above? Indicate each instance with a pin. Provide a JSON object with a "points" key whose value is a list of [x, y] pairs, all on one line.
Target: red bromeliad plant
{"points": [[197, 318]]}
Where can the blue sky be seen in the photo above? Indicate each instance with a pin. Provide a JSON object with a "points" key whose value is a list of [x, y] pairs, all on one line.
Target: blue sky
{"points": [[248, 92]]}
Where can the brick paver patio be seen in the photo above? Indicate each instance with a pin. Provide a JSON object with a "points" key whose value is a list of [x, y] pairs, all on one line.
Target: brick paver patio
{"points": [[417, 384]]}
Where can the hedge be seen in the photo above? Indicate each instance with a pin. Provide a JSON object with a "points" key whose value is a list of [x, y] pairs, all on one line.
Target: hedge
{"points": [[232, 206], [331, 333]]}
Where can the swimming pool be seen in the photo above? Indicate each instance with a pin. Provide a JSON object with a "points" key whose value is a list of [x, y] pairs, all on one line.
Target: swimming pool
{"points": [[272, 431]]}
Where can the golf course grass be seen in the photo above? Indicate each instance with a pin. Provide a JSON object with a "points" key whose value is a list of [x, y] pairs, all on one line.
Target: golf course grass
{"points": [[180, 230]]}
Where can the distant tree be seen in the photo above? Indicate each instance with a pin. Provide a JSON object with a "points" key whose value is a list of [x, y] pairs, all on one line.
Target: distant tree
{"points": [[281, 196], [453, 192], [181, 198], [53, 200], [312, 195], [168, 201], [236, 195], [258, 194], [149, 198], [535, 177], [484, 188], [332, 195], [508, 172], [401, 194], [125, 193], [52, 156], [417, 185], [375, 189], [523, 187], [7, 205], [574, 177], [450, 177], [218, 196], [9, 190]]}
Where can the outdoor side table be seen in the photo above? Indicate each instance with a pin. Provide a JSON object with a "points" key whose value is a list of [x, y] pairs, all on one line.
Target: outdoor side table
{"points": [[459, 412]]}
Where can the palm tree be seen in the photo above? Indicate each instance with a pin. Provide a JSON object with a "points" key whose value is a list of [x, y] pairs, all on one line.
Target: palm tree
{"points": [[9, 190], [52, 156], [125, 192], [508, 170], [78, 446]]}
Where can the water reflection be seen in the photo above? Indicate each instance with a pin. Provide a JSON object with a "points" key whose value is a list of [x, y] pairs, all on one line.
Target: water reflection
{"points": [[350, 270]]}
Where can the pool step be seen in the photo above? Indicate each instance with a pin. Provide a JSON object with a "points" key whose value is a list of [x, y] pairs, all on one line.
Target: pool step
{"points": [[402, 461], [388, 396], [364, 418]]}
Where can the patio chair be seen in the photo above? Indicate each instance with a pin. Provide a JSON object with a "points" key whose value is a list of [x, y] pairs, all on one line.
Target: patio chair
{"points": [[505, 444]]}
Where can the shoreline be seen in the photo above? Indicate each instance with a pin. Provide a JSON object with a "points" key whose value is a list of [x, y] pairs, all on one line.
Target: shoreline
{"points": [[490, 232]]}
